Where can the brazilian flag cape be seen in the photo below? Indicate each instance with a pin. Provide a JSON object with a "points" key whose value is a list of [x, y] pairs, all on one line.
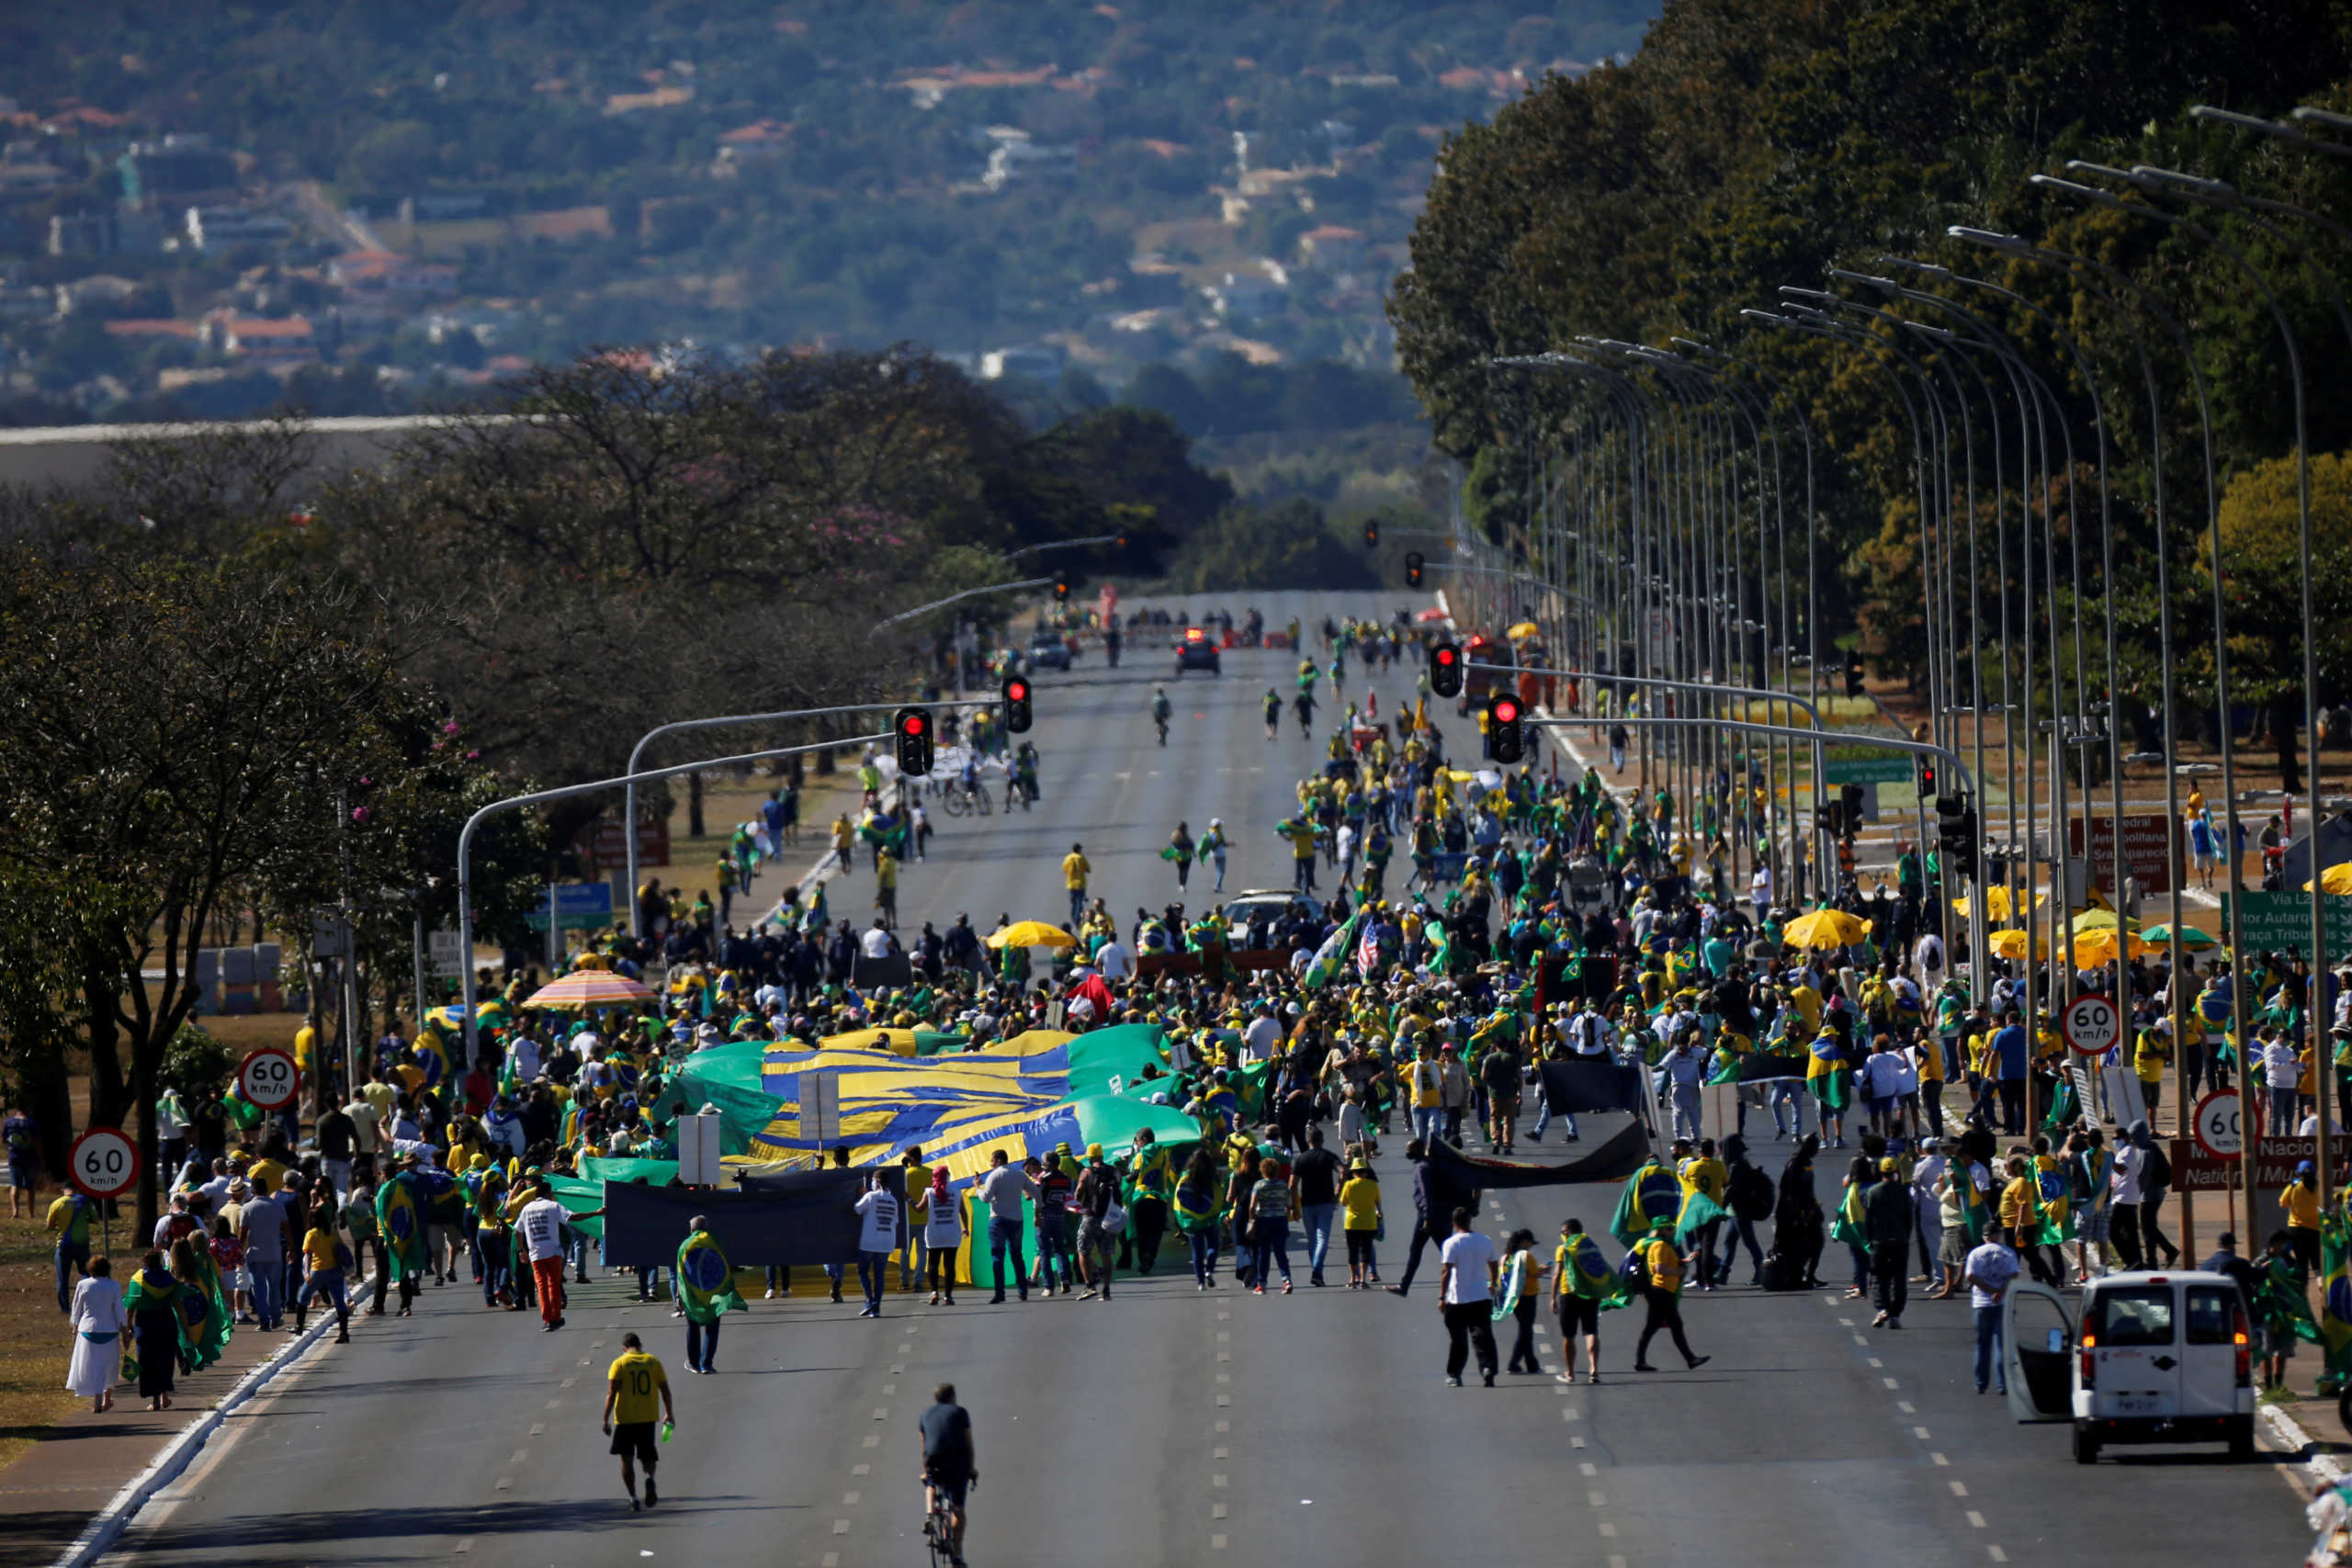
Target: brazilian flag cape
{"points": [[1699, 1209], [705, 1280], [1829, 1078], [1847, 1227], [2335, 1294], [1195, 1207], [206, 1322], [1650, 1194], [2053, 1194], [2279, 1302], [402, 1211], [1587, 1274]]}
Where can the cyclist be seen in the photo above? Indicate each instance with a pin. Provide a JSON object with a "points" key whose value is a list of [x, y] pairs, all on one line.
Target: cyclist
{"points": [[1160, 709], [949, 1465], [1274, 713]]}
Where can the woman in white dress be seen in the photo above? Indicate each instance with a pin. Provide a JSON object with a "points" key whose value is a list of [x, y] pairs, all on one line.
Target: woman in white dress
{"points": [[97, 1323]]}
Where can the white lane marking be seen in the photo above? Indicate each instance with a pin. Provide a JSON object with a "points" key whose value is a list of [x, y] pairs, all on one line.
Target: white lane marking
{"points": [[1904, 1406], [889, 1388], [841, 1527], [504, 1483], [898, 1366], [1216, 1510], [861, 1470], [1938, 1460], [1607, 1529], [1219, 1453], [1224, 1399], [1890, 1382], [1589, 1468], [570, 1380], [520, 1456], [881, 1412], [1997, 1555], [1960, 1489], [1216, 1544], [464, 1545], [1873, 1360], [849, 1499], [1575, 1442], [536, 1428], [1975, 1519], [1921, 1432], [874, 1443], [829, 1560], [1217, 1480], [1598, 1499], [1225, 1425]]}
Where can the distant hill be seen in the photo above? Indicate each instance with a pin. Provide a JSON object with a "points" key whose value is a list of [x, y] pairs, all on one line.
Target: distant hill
{"points": [[1033, 189]]}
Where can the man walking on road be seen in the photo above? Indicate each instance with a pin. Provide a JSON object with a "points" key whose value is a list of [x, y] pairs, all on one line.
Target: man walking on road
{"points": [[636, 1391], [1074, 872], [1662, 1292], [1888, 1216], [1989, 1271], [1003, 1190], [1467, 1274], [541, 1223]]}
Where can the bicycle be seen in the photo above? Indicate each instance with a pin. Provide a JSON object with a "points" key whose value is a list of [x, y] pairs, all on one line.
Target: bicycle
{"points": [[939, 1524]]}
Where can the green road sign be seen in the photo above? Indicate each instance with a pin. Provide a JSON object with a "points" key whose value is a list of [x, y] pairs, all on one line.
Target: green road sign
{"points": [[2281, 923], [1870, 770]]}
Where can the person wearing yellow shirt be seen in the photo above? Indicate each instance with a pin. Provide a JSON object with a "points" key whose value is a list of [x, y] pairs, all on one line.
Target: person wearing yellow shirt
{"points": [[886, 884], [2148, 1056], [1360, 1219], [1806, 1003], [637, 1391], [1075, 870], [1662, 1293]]}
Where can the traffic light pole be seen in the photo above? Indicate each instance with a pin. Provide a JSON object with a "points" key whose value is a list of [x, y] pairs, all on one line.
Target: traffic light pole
{"points": [[636, 757], [540, 797], [957, 598]]}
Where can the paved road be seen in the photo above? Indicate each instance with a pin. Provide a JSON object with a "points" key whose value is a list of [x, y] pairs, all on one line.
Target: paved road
{"points": [[1171, 1428]]}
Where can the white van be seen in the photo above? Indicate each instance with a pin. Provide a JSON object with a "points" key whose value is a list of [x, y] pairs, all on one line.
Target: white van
{"points": [[2154, 1358]]}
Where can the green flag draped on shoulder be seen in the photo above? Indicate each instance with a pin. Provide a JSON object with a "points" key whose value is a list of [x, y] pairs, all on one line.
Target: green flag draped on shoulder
{"points": [[705, 1280], [1651, 1194], [1587, 1273]]}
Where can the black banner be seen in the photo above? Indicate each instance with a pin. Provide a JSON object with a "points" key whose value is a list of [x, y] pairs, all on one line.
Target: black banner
{"points": [[1757, 1066], [790, 1217], [1619, 1155], [1574, 1084]]}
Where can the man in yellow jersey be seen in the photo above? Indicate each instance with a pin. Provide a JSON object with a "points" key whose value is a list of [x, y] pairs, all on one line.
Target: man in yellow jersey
{"points": [[636, 1391], [1662, 1294], [1075, 868]]}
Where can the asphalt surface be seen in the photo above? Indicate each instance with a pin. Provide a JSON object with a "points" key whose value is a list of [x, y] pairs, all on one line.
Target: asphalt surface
{"points": [[1170, 1426]]}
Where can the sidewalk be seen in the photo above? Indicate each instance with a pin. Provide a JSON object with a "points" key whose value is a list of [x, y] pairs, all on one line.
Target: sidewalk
{"points": [[75, 1465]]}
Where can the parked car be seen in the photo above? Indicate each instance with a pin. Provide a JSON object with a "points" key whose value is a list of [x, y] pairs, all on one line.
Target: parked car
{"points": [[2153, 1357]]}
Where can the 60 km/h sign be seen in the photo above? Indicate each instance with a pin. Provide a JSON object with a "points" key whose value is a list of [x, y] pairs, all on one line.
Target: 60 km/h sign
{"points": [[2216, 1124], [2090, 1024], [105, 1163], [268, 1079]]}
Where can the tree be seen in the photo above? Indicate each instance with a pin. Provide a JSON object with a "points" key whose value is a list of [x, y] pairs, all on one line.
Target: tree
{"points": [[1285, 546], [171, 727]]}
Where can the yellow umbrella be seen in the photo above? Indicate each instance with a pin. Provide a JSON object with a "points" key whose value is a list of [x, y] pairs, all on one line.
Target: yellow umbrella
{"points": [[1525, 628], [1032, 933], [2011, 944], [2097, 947], [2099, 919], [1825, 927], [2335, 879], [1996, 900]]}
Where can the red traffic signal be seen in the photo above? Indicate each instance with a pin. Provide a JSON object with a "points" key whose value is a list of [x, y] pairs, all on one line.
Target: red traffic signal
{"points": [[1445, 669], [914, 742], [1506, 711], [1506, 740], [1017, 705]]}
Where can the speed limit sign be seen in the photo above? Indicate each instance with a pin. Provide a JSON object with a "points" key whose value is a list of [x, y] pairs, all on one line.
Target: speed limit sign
{"points": [[103, 1163], [2216, 1125], [2090, 1024], [268, 1079]]}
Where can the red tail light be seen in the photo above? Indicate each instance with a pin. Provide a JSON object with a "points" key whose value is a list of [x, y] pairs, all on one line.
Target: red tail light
{"points": [[2090, 1361], [2240, 1335]]}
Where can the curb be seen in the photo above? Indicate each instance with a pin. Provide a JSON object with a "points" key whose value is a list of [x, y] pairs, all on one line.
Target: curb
{"points": [[106, 1527], [2325, 1468]]}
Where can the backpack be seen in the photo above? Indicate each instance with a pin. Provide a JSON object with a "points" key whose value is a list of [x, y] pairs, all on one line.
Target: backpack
{"points": [[1750, 1193], [2157, 1171]]}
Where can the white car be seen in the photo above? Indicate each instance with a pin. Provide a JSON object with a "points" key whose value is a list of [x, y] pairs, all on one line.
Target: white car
{"points": [[2155, 1357]]}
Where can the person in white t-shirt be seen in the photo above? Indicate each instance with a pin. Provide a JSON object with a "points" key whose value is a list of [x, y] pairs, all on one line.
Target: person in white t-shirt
{"points": [[877, 1237], [1467, 1275], [540, 1222], [1114, 961], [1259, 1039]]}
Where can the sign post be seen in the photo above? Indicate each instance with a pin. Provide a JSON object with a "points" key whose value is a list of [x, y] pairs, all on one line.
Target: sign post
{"points": [[104, 1164], [268, 1079], [2091, 1024]]}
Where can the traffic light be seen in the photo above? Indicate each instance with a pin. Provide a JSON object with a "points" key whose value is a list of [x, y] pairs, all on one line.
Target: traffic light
{"points": [[1928, 780], [1061, 588], [1016, 706], [1505, 737], [1445, 669], [1829, 816], [1850, 796], [1413, 569], [914, 742], [1372, 536], [1956, 832]]}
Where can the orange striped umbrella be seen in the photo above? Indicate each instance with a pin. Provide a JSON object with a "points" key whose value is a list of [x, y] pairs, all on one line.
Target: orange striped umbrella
{"points": [[587, 989]]}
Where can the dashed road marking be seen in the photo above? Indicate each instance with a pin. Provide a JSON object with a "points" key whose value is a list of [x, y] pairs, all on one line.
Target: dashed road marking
{"points": [[1575, 1442], [861, 1470], [881, 1412], [1975, 1519], [503, 1484], [1216, 1544], [1216, 1510], [849, 1499], [874, 1443], [464, 1545], [1904, 1406], [1608, 1531], [841, 1527], [536, 1428], [1921, 1432], [1960, 1489], [1219, 1453], [519, 1456], [1997, 1555], [1937, 1458], [1873, 1360], [1890, 1382], [1589, 1468], [1217, 1480], [889, 1388], [1224, 1399], [1597, 1499]]}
